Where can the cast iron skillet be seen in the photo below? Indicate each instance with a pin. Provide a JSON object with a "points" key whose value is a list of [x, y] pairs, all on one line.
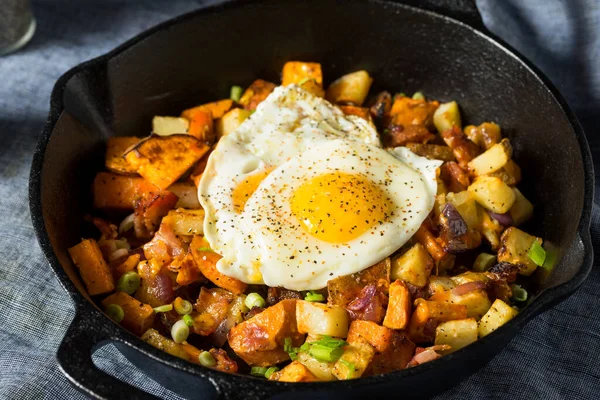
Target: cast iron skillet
{"points": [[445, 52]]}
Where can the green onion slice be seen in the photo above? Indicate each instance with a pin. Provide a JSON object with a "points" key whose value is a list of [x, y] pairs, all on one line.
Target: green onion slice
{"points": [[115, 312], [165, 308], [270, 371], [328, 341], [483, 262], [189, 321], [206, 359], [183, 306], [129, 282], [518, 293], [313, 296], [235, 93], [537, 253], [351, 368], [418, 96], [324, 353], [258, 371], [254, 300], [180, 331], [206, 249]]}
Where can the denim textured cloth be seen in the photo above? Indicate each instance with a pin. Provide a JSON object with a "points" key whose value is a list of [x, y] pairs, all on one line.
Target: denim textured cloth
{"points": [[556, 356]]}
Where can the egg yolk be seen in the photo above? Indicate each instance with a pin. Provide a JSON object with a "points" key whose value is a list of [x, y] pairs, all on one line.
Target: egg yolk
{"points": [[339, 207], [244, 189]]}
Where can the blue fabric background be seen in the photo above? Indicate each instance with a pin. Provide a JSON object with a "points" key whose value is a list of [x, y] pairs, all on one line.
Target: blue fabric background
{"points": [[557, 355]]}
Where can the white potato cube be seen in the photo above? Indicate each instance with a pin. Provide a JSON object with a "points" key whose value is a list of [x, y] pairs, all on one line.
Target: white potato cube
{"points": [[165, 126], [413, 267], [492, 193], [230, 121], [492, 159], [522, 208], [186, 222], [457, 333], [499, 314], [350, 88], [321, 369], [446, 116], [321, 319]]}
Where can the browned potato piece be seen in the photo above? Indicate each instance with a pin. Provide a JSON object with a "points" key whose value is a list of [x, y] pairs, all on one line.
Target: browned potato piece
{"points": [[206, 259], [119, 192], [510, 173], [256, 93], [493, 194], [492, 159], [293, 372], [216, 108], [442, 258], [354, 361], [485, 135], [186, 222], [344, 289], [350, 89], [138, 317], [115, 151], [298, 72], [515, 245], [231, 121], [259, 340], [432, 151], [93, 269], [428, 314], [312, 86], [414, 266], [162, 160], [399, 306]]}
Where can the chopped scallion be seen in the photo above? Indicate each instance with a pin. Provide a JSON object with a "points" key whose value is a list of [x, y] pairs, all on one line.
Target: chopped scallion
{"points": [[115, 312], [537, 253], [323, 353], [182, 306], [351, 368], [129, 282], [206, 359], [235, 93], [254, 300], [418, 96], [165, 308], [206, 249], [189, 321], [258, 371], [270, 371], [483, 262], [328, 341], [313, 296], [180, 331], [518, 293]]}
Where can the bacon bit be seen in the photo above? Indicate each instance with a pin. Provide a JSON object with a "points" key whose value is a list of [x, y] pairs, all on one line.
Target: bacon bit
{"points": [[464, 150], [399, 135], [423, 355], [455, 178]]}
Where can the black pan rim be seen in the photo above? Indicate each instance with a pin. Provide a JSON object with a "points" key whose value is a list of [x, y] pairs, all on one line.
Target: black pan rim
{"points": [[544, 300]]}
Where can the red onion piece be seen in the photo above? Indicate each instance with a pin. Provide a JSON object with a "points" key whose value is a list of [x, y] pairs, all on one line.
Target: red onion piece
{"points": [[161, 288], [456, 224], [367, 306], [425, 356], [219, 336], [504, 219], [468, 287]]}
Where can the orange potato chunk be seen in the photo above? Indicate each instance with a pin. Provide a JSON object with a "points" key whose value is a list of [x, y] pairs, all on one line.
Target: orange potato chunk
{"points": [[93, 268], [138, 317]]}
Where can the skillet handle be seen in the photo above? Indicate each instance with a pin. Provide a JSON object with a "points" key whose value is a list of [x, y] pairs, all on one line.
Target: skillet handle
{"points": [[74, 358], [462, 10]]}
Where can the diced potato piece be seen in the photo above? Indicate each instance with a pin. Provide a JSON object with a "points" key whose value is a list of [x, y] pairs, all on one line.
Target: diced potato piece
{"points": [[201, 125], [165, 126], [151, 336], [442, 258], [187, 194], [129, 264], [492, 194], [187, 270], [515, 245], [119, 192], [399, 306], [446, 116], [206, 260], [299, 72], [432, 312], [456, 334], [115, 151], [162, 160], [354, 361], [344, 289], [93, 268], [510, 173], [259, 340], [312, 86], [350, 88], [321, 319], [256, 93], [469, 276], [414, 266], [492, 159], [522, 208], [476, 301], [485, 135], [499, 314], [439, 284], [230, 121], [466, 206], [490, 229], [138, 317], [186, 222], [432, 151], [294, 372], [149, 211], [216, 108], [321, 369], [211, 309], [406, 111]]}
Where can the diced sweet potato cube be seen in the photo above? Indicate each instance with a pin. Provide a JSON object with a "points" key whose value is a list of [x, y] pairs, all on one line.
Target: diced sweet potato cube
{"points": [[128, 265], [399, 306], [216, 108], [354, 361], [206, 260], [201, 125], [407, 111], [199, 168], [212, 307], [344, 289], [293, 372], [362, 112], [115, 151], [378, 336], [138, 317], [93, 268], [162, 160], [428, 314], [298, 71], [256, 93], [186, 269], [149, 211], [260, 340], [118, 192]]}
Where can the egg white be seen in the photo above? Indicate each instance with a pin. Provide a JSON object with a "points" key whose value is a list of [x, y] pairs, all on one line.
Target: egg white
{"points": [[298, 136]]}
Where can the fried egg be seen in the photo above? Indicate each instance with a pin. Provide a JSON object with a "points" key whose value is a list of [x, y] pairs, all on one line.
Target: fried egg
{"points": [[300, 194]]}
